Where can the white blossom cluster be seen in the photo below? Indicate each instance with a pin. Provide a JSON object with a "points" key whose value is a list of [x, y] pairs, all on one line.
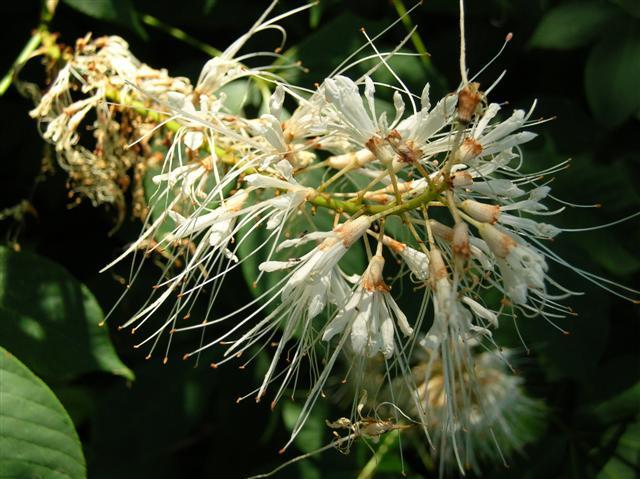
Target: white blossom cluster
{"points": [[429, 193]]}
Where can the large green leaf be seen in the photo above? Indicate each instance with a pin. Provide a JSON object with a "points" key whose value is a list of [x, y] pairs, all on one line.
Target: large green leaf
{"points": [[611, 76], [314, 433], [572, 25], [120, 12], [624, 462], [624, 404], [37, 437], [52, 320]]}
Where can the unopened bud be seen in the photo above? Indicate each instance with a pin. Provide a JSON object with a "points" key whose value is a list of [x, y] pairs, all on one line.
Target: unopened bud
{"points": [[382, 198], [481, 211], [394, 245], [437, 268], [236, 202], [468, 150], [352, 230], [372, 277], [461, 179], [357, 159], [440, 230], [499, 242], [460, 242]]}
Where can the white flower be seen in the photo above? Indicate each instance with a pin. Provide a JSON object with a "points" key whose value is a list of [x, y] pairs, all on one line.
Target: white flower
{"points": [[501, 137], [521, 266], [219, 224], [313, 280], [278, 209], [421, 127], [488, 423], [417, 261], [355, 120], [369, 316]]}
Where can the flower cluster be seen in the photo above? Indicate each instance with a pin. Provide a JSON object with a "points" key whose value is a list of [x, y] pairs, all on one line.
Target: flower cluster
{"points": [[336, 201], [98, 74]]}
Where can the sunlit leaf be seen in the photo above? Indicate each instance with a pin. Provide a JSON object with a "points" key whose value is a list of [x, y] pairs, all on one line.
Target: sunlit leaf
{"points": [[52, 320], [572, 25]]}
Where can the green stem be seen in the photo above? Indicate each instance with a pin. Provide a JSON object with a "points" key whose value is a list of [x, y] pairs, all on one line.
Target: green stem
{"points": [[180, 35], [31, 46], [46, 16], [427, 196], [415, 37], [379, 211], [192, 41]]}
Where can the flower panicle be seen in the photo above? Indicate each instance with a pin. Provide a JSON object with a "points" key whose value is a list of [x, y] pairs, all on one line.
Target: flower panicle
{"points": [[316, 203]]}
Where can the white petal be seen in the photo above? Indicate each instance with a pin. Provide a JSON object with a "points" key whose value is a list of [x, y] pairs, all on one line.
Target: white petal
{"points": [[481, 311], [424, 98], [276, 101], [269, 266], [401, 318], [193, 140], [337, 325]]}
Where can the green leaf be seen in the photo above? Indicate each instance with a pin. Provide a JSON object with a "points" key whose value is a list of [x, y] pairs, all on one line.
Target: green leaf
{"points": [[311, 436], [611, 74], [120, 12], [38, 439], [52, 320], [624, 461], [572, 25], [625, 404]]}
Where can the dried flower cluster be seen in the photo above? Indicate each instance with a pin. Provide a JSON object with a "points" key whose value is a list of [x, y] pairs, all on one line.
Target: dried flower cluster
{"points": [[86, 93], [431, 194]]}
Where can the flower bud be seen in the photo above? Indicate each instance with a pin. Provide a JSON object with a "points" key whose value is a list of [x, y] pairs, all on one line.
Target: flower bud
{"points": [[469, 149], [440, 230], [372, 278], [352, 230], [481, 211], [236, 202], [437, 268], [394, 245], [461, 179], [359, 159], [460, 241], [499, 242]]}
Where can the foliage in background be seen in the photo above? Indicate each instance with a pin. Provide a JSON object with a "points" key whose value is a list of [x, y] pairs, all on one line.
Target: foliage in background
{"points": [[580, 59]]}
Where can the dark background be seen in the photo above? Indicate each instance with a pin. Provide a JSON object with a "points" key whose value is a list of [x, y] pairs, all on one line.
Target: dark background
{"points": [[580, 60]]}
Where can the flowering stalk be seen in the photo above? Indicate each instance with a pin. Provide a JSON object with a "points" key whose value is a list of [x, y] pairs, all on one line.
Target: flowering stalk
{"points": [[301, 194]]}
